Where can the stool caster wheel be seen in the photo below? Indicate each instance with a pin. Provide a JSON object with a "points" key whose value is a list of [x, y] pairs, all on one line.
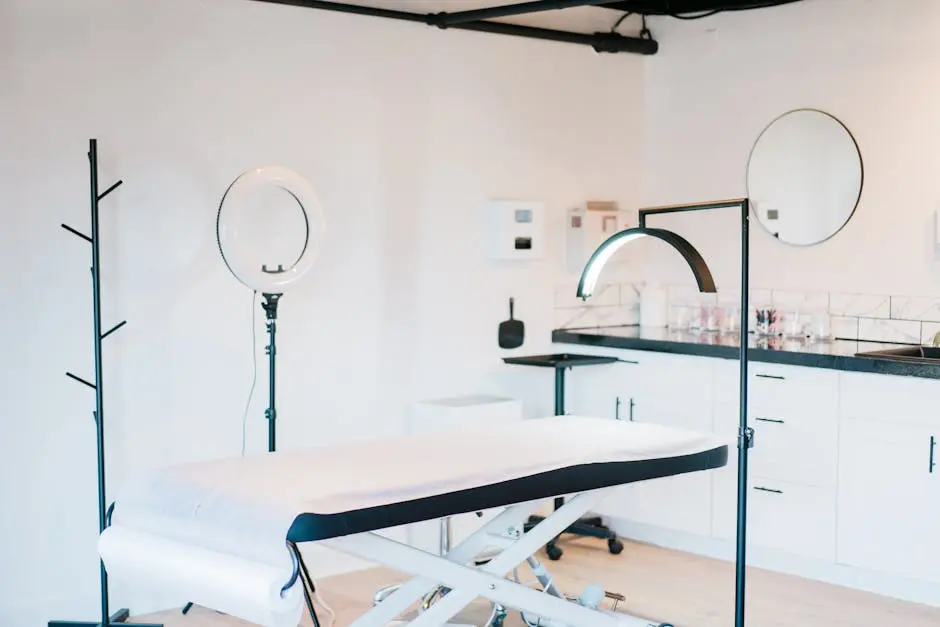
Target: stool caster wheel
{"points": [[616, 547], [554, 553]]}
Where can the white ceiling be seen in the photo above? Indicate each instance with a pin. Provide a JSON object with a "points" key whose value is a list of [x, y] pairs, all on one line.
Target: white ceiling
{"points": [[579, 19]]}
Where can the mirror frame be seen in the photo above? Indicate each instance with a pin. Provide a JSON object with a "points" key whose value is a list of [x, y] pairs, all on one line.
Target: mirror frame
{"points": [[861, 181]]}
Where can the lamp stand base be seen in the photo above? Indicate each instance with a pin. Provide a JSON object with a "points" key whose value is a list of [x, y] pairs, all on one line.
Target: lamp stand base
{"points": [[119, 617]]}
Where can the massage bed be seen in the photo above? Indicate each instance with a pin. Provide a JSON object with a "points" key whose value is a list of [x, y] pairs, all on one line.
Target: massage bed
{"points": [[224, 533]]}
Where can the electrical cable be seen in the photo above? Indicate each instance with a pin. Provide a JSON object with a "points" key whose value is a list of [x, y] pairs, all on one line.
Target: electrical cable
{"points": [[254, 370], [680, 16], [322, 603], [721, 9], [619, 21], [545, 580], [310, 585]]}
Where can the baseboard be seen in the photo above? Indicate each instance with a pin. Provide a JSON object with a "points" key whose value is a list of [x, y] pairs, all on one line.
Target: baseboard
{"points": [[858, 579]]}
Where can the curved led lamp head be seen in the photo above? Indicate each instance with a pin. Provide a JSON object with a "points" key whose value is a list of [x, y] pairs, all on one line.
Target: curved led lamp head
{"points": [[604, 252], [262, 278]]}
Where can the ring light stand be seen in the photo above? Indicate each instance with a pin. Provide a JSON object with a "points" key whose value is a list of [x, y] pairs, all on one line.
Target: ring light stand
{"points": [[269, 304], [271, 282]]}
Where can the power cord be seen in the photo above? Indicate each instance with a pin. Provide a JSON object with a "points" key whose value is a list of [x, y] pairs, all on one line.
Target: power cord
{"points": [[613, 28], [645, 33], [310, 592], [768, 4], [254, 369]]}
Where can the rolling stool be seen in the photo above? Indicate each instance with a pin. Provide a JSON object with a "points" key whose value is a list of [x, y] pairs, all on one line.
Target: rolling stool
{"points": [[591, 526], [498, 614]]}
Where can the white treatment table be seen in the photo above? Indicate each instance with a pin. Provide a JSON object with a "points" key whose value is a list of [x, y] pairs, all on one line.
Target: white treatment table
{"points": [[192, 528]]}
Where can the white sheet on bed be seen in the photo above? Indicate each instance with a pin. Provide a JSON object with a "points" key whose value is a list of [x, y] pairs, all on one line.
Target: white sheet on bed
{"points": [[245, 505]]}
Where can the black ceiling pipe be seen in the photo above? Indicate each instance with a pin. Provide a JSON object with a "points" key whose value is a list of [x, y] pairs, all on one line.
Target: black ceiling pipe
{"points": [[600, 42], [516, 9], [342, 7]]}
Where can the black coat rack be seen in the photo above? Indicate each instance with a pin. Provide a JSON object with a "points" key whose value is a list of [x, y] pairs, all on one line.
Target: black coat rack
{"points": [[104, 512]]}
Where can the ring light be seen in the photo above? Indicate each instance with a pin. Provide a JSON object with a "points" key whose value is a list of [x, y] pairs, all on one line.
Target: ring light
{"points": [[268, 278]]}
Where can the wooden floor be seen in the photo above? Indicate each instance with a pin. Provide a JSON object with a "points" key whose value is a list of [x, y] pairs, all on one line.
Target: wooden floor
{"points": [[659, 584]]}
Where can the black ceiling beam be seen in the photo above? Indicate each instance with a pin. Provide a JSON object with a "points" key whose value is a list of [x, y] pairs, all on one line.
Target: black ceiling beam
{"points": [[680, 8], [600, 42], [509, 10]]}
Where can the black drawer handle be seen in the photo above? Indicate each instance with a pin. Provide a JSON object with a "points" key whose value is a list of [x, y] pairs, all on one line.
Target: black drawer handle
{"points": [[771, 376], [933, 445], [773, 420], [763, 489]]}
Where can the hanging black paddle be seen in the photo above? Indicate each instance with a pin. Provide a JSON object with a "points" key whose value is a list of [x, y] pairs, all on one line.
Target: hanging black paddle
{"points": [[512, 331]]}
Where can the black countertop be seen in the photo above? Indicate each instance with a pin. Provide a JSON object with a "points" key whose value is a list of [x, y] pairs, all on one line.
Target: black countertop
{"points": [[832, 354]]}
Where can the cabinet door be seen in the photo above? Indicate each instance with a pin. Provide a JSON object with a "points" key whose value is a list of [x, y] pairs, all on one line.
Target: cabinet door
{"points": [[599, 390], [791, 517], [683, 502], [889, 498]]}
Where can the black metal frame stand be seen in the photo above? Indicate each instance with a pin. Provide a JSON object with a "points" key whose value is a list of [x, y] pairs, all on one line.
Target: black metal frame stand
{"points": [[591, 526], [269, 304], [745, 439], [476, 20], [104, 518]]}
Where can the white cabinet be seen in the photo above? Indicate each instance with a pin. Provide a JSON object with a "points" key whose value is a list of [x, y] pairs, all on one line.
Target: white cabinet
{"points": [[843, 478], [792, 469], [676, 391], [889, 482], [889, 498], [795, 445], [682, 502], [794, 518], [602, 390]]}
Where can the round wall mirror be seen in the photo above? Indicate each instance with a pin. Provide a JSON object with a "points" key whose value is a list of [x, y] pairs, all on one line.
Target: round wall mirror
{"points": [[804, 177]]}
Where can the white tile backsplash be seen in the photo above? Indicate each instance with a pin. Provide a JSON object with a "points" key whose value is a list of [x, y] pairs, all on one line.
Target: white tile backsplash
{"points": [[758, 297], [616, 316], [854, 316], [844, 328], [927, 331], [630, 293], [605, 295], [690, 294], [575, 317], [803, 302], [681, 294], [880, 330], [915, 308], [861, 305]]}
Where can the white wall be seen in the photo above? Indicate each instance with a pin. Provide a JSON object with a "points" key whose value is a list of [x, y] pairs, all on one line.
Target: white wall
{"points": [[403, 130], [718, 81]]}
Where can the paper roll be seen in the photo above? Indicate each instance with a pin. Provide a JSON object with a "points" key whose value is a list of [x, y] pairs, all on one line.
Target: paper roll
{"points": [[245, 589]]}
